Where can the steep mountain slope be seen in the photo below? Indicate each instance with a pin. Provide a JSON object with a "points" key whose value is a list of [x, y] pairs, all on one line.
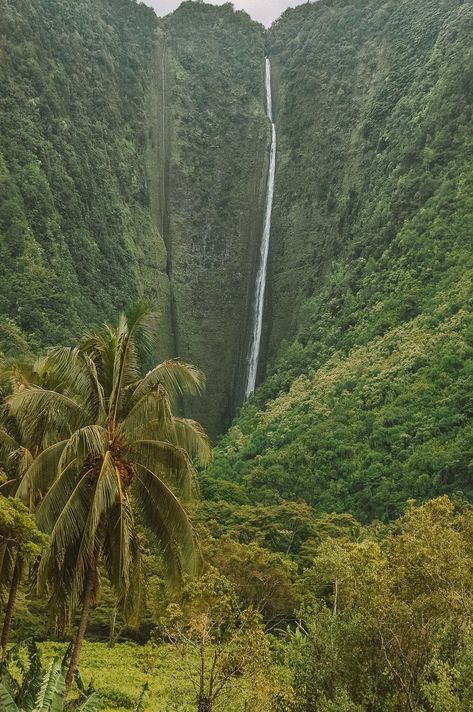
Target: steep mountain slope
{"points": [[216, 175], [367, 400], [133, 156], [132, 164], [77, 242]]}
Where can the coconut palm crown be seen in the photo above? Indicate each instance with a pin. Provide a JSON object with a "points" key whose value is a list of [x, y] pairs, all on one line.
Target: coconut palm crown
{"points": [[110, 447]]}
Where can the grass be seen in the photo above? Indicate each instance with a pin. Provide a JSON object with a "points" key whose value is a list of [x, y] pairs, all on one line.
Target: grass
{"points": [[119, 673]]}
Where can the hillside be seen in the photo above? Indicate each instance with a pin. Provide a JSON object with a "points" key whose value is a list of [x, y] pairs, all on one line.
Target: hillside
{"points": [[77, 237], [319, 557], [132, 157], [369, 337], [144, 176]]}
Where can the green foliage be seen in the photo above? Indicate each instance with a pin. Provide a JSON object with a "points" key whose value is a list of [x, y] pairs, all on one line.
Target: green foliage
{"points": [[366, 400], [38, 689], [75, 226], [263, 580], [18, 528], [222, 646], [387, 619], [109, 445], [122, 671]]}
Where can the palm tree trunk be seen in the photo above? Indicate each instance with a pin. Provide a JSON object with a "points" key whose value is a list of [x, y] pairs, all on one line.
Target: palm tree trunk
{"points": [[15, 581], [80, 635]]}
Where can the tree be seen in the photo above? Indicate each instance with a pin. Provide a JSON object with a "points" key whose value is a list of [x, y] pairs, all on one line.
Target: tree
{"points": [[263, 580], [387, 622], [18, 451], [220, 646], [111, 447], [20, 540]]}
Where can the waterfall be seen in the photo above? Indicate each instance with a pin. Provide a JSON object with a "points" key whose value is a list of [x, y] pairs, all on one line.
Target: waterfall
{"points": [[255, 343]]}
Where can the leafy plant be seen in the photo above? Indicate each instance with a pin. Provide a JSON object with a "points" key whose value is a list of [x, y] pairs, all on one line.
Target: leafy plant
{"points": [[110, 447], [36, 689]]}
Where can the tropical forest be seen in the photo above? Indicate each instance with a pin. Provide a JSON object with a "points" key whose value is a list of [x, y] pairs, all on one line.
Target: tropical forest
{"points": [[236, 356]]}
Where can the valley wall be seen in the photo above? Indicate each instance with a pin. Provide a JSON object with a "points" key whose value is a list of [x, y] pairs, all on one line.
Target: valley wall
{"points": [[132, 165]]}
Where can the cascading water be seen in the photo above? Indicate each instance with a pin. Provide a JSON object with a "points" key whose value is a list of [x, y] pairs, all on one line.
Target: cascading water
{"points": [[255, 343]]}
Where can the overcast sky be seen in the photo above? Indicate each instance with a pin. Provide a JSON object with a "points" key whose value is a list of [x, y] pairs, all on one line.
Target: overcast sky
{"points": [[265, 11]]}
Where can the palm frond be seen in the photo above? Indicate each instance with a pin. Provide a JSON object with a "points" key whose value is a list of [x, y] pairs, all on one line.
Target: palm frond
{"points": [[23, 459], [125, 367], [177, 377], [100, 348], [142, 323], [122, 559], [8, 443], [76, 374], [168, 521], [91, 440], [119, 537], [105, 496], [63, 514], [191, 437], [42, 414], [52, 507], [37, 477], [150, 415], [18, 373], [166, 460], [132, 600]]}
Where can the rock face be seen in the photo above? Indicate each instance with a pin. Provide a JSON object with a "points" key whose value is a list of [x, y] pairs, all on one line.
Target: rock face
{"points": [[132, 162], [215, 177]]}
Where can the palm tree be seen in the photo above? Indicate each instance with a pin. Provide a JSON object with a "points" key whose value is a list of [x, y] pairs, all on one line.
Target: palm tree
{"points": [[17, 454], [18, 458], [115, 449]]}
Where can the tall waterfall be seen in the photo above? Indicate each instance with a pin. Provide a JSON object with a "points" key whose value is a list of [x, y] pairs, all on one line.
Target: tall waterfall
{"points": [[255, 343]]}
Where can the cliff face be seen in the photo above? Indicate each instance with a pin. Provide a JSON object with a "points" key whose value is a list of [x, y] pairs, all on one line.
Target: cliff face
{"points": [[368, 336], [366, 141], [77, 242], [132, 162], [215, 177]]}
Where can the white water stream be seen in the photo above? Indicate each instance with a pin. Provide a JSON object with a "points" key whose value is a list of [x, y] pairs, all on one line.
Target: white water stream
{"points": [[255, 344]]}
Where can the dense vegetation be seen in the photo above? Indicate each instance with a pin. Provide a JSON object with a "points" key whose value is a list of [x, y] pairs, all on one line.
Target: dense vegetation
{"points": [[77, 241], [132, 159], [333, 525], [367, 396], [378, 618]]}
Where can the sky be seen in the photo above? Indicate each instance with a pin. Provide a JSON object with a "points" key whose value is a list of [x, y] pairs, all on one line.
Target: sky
{"points": [[265, 11]]}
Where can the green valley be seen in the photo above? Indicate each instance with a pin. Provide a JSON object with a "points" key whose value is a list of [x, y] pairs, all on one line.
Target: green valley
{"points": [[305, 549]]}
